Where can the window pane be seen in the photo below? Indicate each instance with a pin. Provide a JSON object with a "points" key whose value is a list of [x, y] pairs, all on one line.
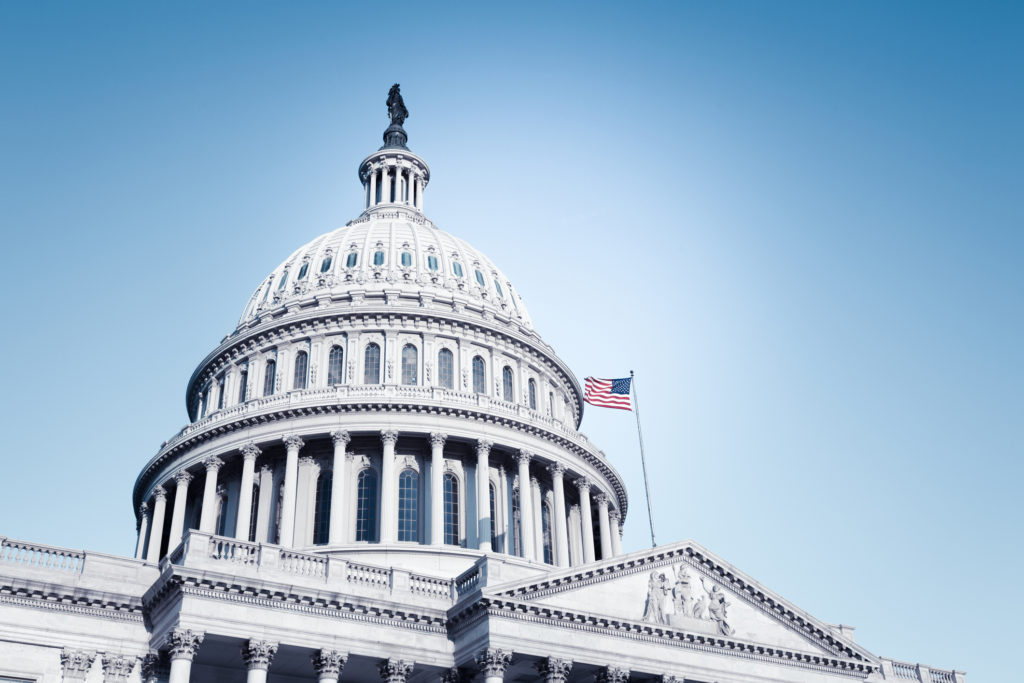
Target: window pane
{"points": [[432, 262], [446, 368], [284, 279], [406, 259], [497, 287], [371, 365], [479, 383], [410, 362], [517, 528], [220, 392], [254, 512], [533, 395], [494, 526], [350, 262], [268, 379], [243, 383], [366, 506], [451, 509], [303, 270], [508, 393], [479, 279], [457, 268], [545, 523], [378, 258], [322, 509], [335, 366], [408, 504], [301, 367], [326, 265]]}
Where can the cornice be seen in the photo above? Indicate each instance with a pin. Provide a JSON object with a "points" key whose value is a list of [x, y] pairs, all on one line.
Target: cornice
{"points": [[48, 597]]}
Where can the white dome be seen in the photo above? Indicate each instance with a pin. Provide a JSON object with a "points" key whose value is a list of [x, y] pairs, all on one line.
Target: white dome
{"points": [[394, 251]]}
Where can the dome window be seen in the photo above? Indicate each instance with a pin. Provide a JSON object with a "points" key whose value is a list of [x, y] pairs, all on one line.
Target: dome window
{"points": [[406, 259], [303, 270], [432, 262], [284, 280], [498, 288], [480, 279], [457, 268], [352, 259], [378, 258], [326, 264]]}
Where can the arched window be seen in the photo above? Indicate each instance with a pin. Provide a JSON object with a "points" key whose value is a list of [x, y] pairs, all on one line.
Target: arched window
{"points": [[301, 370], [532, 388], [508, 393], [498, 288], [303, 270], [480, 279], [551, 404], [545, 525], [517, 527], [371, 364], [378, 258], [322, 508], [270, 377], [406, 259], [220, 392], [410, 364], [432, 262], [479, 380], [335, 365], [283, 282], [325, 265], [243, 383], [452, 535], [254, 512], [446, 369], [408, 505], [494, 524], [366, 506], [457, 268], [350, 262]]}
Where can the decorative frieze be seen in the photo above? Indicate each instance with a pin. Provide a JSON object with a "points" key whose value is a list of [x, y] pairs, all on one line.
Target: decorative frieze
{"points": [[258, 654], [395, 670]]}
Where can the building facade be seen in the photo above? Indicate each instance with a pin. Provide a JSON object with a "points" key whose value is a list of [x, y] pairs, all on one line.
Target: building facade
{"points": [[383, 480]]}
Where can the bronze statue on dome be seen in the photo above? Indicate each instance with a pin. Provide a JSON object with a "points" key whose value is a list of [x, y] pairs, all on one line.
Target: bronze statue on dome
{"points": [[396, 106]]}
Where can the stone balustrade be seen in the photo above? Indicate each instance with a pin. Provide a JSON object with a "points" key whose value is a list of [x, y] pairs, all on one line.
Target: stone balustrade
{"points": [[905, 671], [41, 556]]}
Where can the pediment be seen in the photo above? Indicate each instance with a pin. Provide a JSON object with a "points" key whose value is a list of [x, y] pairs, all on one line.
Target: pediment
{"points": [[684, 588]]}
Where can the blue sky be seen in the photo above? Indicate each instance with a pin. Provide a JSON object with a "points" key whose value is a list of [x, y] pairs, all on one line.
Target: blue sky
{"points": [[799, 223]]}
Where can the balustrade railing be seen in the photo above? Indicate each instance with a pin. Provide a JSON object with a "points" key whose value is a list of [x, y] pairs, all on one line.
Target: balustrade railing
{"points": [[467, 581], [303, 564], [41, 556], [432, 586], [923, 674], [378, 577], [231, 550]]}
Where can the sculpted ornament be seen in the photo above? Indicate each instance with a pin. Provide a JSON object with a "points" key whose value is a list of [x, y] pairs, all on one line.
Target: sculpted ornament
{"points": [[76, 663], [250, 451], [258, 654], [183, 643], [554, 670], [395, 670], [213, 463], [438, 439], [389, 437], [117, 668], [330, 663], [493, 662], [341, 436], [293, 441], [612, 674], [452, 675], [160, 493], [692, 604], [155, 667], [182, 478]]}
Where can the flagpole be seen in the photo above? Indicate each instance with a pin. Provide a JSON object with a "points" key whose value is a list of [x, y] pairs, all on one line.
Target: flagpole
{"points": [[643, 458]]}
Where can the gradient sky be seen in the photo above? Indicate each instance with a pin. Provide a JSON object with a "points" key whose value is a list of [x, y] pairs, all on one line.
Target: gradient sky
{"points": [[799, 223]]}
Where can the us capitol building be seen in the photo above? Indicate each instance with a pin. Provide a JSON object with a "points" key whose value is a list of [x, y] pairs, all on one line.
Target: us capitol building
{"points": [[382, 480]]}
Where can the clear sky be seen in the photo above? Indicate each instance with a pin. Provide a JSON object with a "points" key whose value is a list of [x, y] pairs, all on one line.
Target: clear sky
{"points": [[799, 223]]}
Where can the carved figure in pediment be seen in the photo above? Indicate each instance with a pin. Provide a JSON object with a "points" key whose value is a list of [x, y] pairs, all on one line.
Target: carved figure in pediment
{"points": [[717, 607], [682, 592], [657, 590]]}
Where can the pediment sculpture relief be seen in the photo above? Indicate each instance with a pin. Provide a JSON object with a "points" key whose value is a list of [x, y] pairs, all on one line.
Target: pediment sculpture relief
{"points": [[678, 599]]}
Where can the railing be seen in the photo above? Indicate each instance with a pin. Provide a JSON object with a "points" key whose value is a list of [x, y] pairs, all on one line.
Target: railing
{"points": [[429, 585], [41, 556], [303, 564], [467, 581], [903, 670], [939, 676], [368, 575], [918, 672], [237, 552]]}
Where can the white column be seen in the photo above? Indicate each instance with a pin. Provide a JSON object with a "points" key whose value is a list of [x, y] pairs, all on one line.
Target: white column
{"points": [[526, 507], [575, 534], [181, 480], [483, 495], [437, 440], [183, 645], [586, 519], [305, 499], [263, 507], [385, 185], [249, 453], [373, 188], [143, 528], [339, 478], [602, 520], [501, 510], [616, 532], [328, 665], [492, 664], [258, 654], [422, 185], [538, 522], [388, 488], [557, 471], [208, 518], [156, 536], [291, 480]]}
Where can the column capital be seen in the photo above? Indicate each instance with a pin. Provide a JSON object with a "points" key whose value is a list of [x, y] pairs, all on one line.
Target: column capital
{"points": [[75, 664], [554, 670], [556, 469], [213, 463], [601, 498], [612, 674], [258, 654], [160, 493], [452, 675], [307, 461], [117, 668], [182, 478], [389, 437], [438, 438], [293, 441], [155, 667], [183, 643], [341, 436], [143, 509], [484, 446], [583, 484], [266, 469], [250, 451], [329, 662], [574, 508], [614, 515], [493, 662], [395, 670], [524, 456]]}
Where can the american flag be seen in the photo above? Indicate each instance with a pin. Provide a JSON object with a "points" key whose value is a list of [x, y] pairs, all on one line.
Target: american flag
{"points": [[608, 393]]}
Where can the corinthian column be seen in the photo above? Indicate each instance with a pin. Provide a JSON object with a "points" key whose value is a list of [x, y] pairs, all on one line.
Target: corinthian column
{"points": [[483, 495], [208, 519], [117, 668], [437, 440], [612, 674], [156, 536], [291, 480], [395, 670], [143, 528], [250, 451], [561, 537], [339, 477], [75, 664], [616, 532], [554, 670], [183, 644], [587, 520], [602, 520], [181, 480], [493, 663], [388, 487], [258, 654], [529, 548], [328, 665]]}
